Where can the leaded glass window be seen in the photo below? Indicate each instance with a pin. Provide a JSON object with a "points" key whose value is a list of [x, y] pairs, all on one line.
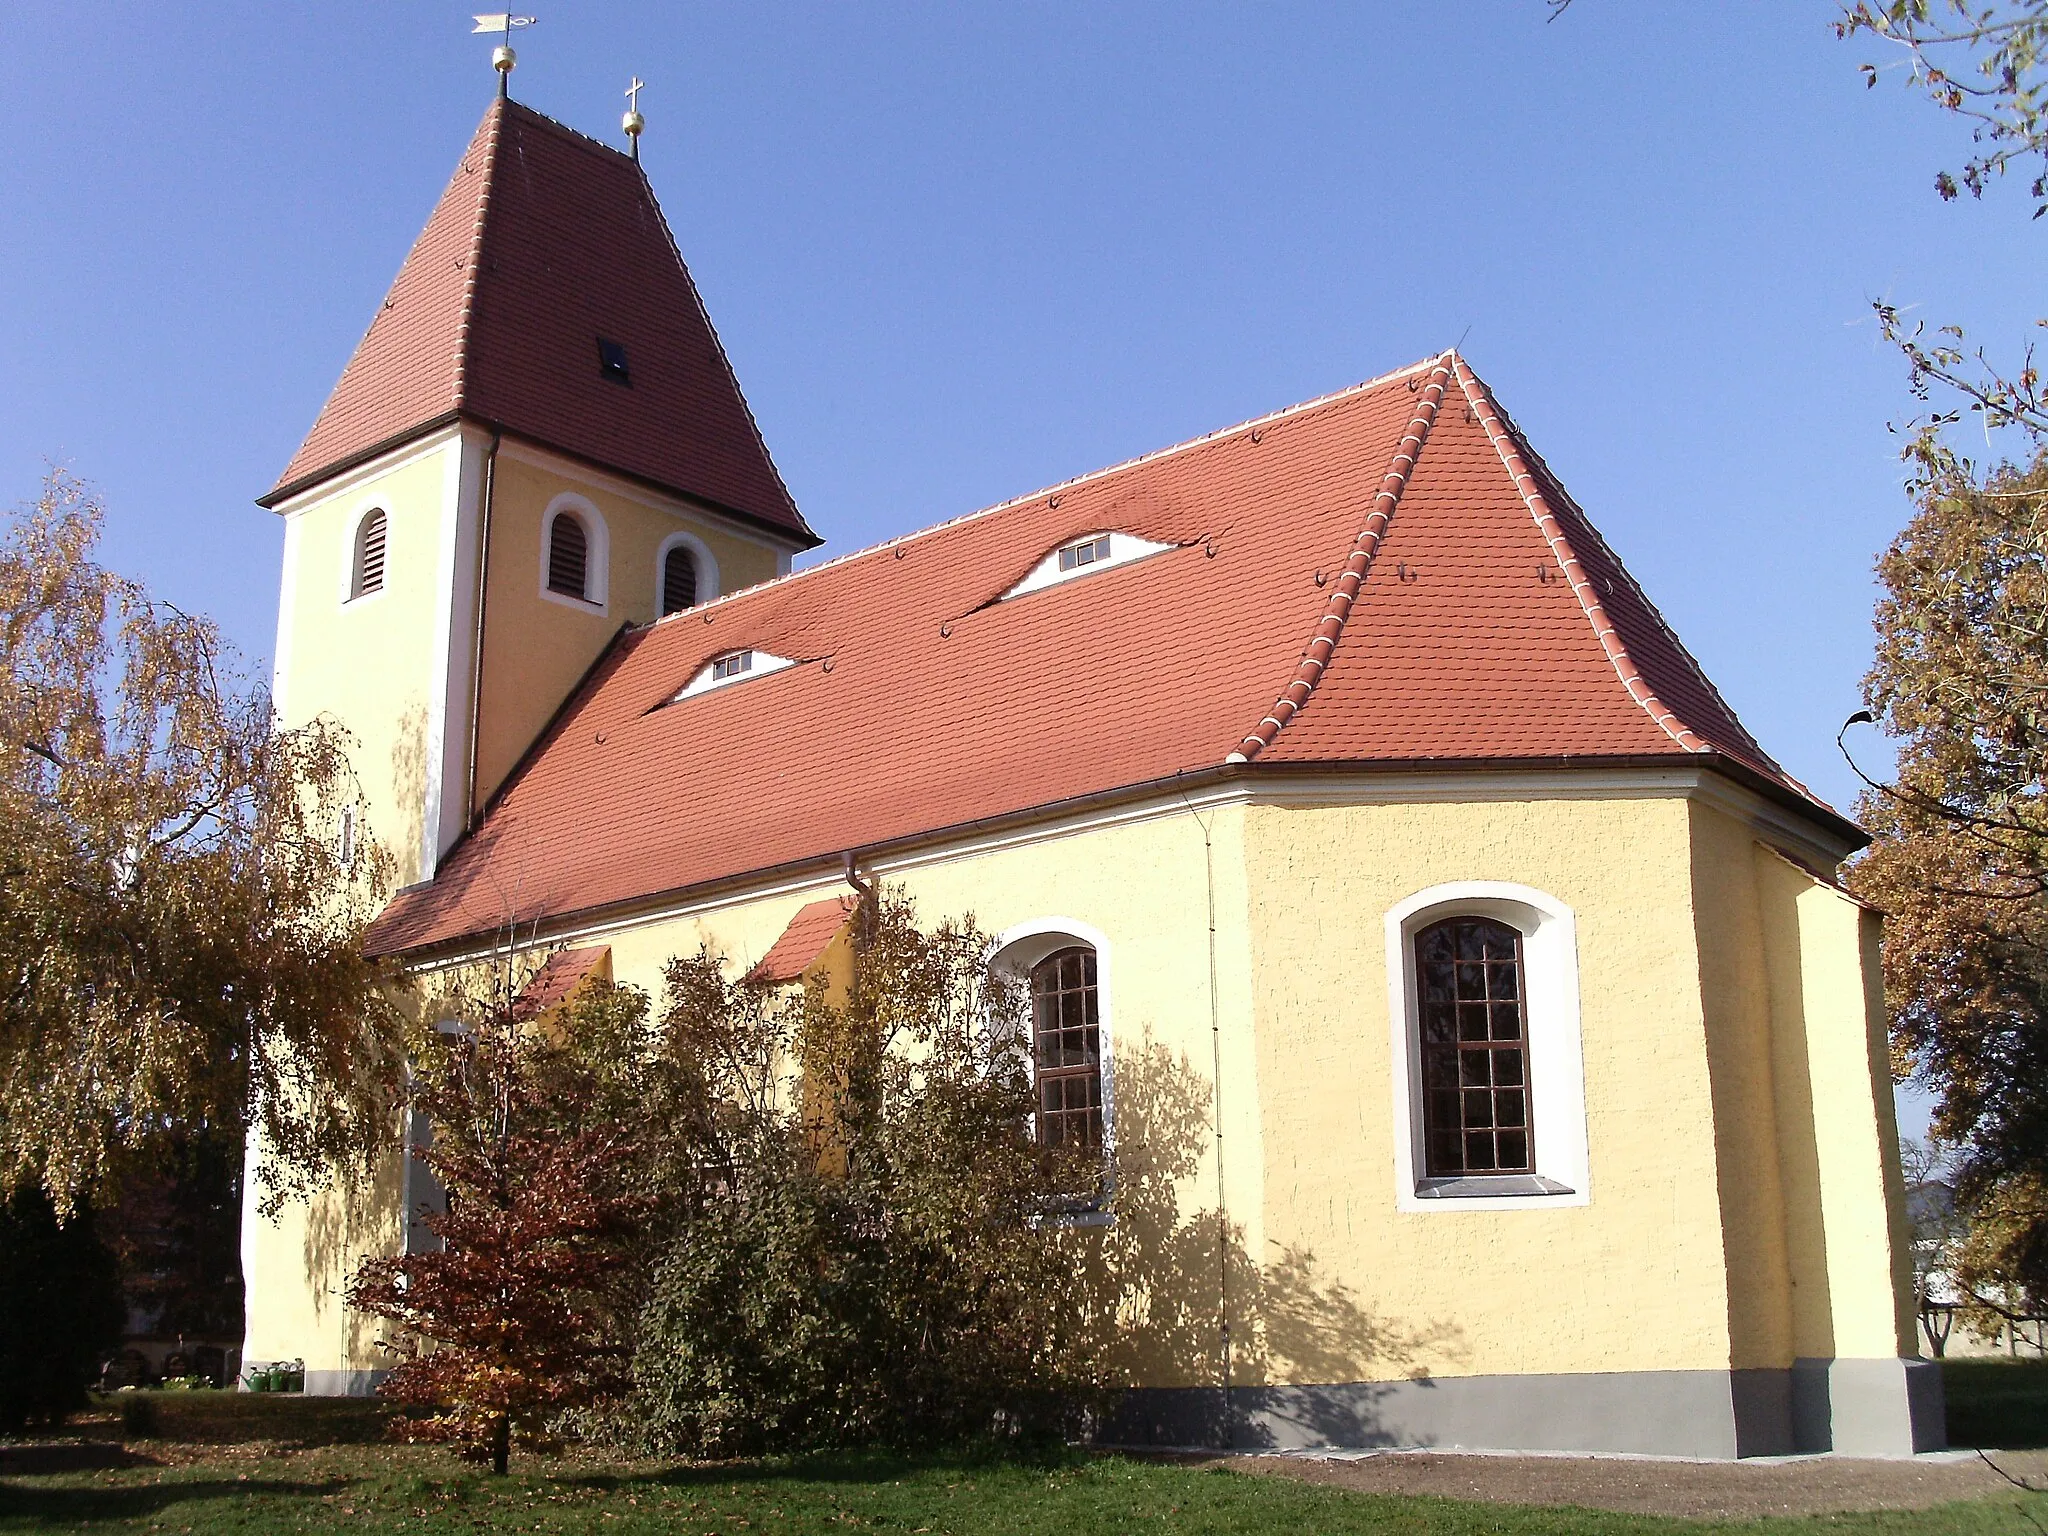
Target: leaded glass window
{"points": [[1475, 1049]]}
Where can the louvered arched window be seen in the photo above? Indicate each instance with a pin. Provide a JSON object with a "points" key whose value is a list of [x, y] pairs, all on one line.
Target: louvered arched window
{"points": [[366, 567], [569, 557], [678, 580]]}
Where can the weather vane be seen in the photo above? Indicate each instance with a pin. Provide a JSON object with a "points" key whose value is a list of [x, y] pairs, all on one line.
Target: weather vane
{"points": [[502, 56], [634, 121]]}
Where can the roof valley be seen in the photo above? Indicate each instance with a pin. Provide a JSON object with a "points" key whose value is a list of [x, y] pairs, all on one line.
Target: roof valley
{"points": [[1330, 627]]}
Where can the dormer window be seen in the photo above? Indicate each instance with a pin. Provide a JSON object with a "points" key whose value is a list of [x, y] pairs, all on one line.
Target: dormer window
{"points": [[611, 362], [1087, 552], [1086, 556], [732, 667]]}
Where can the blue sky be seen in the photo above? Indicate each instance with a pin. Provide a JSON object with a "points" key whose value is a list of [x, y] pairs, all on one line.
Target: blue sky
{"points": [[958, 251]]}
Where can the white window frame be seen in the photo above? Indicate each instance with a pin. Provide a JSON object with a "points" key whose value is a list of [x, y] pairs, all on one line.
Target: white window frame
{"points": [[597, 555], [1015, 951], [1557, 1079], [707, 569], [352, 531], [1123, 549]]}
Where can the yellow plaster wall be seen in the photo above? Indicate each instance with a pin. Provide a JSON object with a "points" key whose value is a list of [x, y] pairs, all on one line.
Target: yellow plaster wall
{"points": [[294, 1306], [535, 649], [369, 663], [1851, 1266], [1633, 1280], [1755, 1181], [1682, 999]]}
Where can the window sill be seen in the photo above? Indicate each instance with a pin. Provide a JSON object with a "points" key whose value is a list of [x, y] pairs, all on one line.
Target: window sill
{"points": [[580, 604], [1492, 1186]]}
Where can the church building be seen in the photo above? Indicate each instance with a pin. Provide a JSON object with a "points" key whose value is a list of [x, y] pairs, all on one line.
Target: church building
{"points": [[1327, 776]]}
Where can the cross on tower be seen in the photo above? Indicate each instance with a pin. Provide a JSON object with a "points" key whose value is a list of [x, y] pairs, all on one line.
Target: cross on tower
{"points": [[634, 122]]}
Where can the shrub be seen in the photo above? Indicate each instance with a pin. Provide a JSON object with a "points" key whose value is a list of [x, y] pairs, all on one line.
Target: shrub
{"points": [[857, 1248], [60, 1310]]}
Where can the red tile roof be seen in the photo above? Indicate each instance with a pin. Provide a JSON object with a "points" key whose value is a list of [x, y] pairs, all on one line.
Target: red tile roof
{"points": [[543, 242], [804, 940], [1490, 626], [562, 973]]}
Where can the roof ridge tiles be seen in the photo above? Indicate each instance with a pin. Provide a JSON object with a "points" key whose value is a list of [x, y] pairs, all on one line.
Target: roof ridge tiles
{"points": [[894, 541], [488, 171], [575, 136], [1330, 627], [1506, 443]]}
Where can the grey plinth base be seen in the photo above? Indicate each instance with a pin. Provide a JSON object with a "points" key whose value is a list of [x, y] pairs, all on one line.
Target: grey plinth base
{"points": [[1868, 1407], [343, 1383], [1652, 1413]]}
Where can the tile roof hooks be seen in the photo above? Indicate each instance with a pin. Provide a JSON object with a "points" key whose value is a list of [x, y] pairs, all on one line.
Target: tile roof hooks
{"points": [[1316, 659]]}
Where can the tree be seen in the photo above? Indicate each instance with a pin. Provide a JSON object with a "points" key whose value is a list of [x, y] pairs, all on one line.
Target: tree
{"points": [[175, 1228], [1988, 65], [864, 1243], [1960, 857], [1982, 62], [179, 921], [516, 1320], [60, 1310], [1959, 861]]}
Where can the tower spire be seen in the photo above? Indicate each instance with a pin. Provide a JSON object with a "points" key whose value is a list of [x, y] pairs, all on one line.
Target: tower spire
{"points": [[634, 122], [502, 56]]}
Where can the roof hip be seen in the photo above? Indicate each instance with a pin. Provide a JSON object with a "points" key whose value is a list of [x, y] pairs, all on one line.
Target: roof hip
{"points": [[1330, 628], [473, 263], [1506, 442]]}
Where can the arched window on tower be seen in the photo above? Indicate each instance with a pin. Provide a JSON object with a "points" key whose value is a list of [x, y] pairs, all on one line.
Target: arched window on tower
{"points": [[366, 567], [1066, 1048], [678, 580], [569, 557]]}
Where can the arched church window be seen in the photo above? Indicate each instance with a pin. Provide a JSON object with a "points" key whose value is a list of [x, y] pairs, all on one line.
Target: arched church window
{"points": [[366, 568], [1066, 1047], [569, 557], [678, 580], [1475, 1049]]}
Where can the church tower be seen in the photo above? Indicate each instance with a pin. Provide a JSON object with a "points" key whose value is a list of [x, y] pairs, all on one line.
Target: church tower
{"points": [[538, 441]]}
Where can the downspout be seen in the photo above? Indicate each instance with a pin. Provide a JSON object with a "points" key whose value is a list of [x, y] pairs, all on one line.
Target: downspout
{"points": [[476, 650], [867, 916], [1216, 1112]]}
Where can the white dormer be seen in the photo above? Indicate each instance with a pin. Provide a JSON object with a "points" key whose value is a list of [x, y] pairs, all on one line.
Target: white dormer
{"points": [[1084, 557], [732, 667]]}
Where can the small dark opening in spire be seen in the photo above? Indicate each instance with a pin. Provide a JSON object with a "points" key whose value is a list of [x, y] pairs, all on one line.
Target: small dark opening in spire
{"points": [[611, 362]]}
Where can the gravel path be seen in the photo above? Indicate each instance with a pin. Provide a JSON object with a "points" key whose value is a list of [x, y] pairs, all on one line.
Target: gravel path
{"points": [[1801, 1485]]}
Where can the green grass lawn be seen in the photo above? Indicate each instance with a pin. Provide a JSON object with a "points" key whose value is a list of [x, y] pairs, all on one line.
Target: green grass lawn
{"points": [[248, 1463], [1997, 1404]]}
